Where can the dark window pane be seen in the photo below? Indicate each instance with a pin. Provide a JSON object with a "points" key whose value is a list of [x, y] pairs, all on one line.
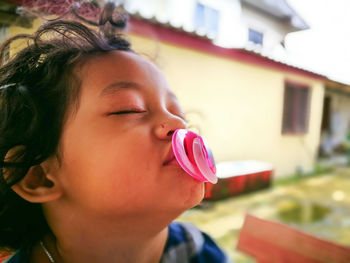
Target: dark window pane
{"points": [[296, 109], [288, 109], [303, 111]]}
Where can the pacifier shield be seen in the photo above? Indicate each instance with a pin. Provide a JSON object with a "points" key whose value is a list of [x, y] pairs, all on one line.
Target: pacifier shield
{"points": [[192, 155]]}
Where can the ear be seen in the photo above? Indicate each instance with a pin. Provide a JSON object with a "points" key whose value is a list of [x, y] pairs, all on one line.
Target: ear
{"points": [[40, 184]]}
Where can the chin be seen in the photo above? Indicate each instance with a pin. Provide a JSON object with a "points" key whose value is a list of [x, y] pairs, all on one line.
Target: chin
{"points": [[185, 197], [188, 192], [195, 194]]}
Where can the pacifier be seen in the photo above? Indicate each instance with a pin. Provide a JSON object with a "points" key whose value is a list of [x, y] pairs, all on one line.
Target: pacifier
{"points": [[194, 156]]}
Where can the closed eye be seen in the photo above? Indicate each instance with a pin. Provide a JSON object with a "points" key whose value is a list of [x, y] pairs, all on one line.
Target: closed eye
{"points": [[127, 112]]}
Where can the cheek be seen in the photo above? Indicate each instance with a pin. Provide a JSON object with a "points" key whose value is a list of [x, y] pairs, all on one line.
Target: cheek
{"points": [[108, 170]]}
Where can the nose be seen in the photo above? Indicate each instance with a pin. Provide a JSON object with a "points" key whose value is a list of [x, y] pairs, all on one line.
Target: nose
{"points": [[166, 126]]}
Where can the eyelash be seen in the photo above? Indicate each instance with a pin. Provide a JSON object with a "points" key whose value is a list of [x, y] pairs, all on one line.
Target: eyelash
{"points": [[127, 112], [181, 116]]}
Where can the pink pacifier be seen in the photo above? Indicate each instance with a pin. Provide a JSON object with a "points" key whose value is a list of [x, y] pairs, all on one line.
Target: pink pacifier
{"points": [[192, 155]]}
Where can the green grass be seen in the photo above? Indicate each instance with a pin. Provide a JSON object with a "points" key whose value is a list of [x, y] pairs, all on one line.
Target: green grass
{"points": [[318, 170]]}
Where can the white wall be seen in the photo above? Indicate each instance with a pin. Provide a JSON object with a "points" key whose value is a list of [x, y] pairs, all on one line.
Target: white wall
{"points": [[274, 31]]}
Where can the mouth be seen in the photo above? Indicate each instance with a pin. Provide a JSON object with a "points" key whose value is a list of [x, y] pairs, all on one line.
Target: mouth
{"points": [[170, 159]]}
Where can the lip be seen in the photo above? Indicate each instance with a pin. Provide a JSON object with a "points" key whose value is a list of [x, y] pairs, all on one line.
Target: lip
{"points": [[170, 158]]}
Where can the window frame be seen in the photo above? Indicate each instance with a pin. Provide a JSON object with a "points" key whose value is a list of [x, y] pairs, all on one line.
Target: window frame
{"points": [[295, 122], [256, 32]]}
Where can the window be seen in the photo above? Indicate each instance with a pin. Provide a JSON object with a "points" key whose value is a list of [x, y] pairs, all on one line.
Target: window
{"points": [[206, 19], [296, 108], [255, 36]]}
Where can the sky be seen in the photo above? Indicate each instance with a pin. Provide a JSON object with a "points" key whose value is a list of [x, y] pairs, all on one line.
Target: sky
{"points": [[325, 47]]}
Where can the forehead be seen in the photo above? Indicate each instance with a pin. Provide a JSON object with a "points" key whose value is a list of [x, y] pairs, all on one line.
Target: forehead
{"points": [[104, 70]]}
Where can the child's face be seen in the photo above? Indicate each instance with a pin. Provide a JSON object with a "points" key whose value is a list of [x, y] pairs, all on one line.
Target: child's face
{"points": [[115, 146]]}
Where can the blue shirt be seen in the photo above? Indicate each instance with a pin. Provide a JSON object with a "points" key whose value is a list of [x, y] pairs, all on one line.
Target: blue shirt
{"points": [[185, 244]]}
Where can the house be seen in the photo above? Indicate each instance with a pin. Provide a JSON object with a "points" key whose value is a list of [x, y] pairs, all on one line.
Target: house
{"points": [[246, 100], [225, 60]]}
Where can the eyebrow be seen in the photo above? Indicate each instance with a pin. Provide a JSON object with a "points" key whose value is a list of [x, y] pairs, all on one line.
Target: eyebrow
{"points": [[118, 86], [121, 85]]}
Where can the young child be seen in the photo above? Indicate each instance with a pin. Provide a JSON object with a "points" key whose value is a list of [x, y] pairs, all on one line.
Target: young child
{"points": [[88, 170]]}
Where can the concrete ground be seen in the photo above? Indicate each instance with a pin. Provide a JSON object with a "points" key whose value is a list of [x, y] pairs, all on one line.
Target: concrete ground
{"points": [[319, 205]]}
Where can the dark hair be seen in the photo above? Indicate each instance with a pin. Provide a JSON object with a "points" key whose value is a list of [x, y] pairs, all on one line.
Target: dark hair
{"points": [[37, 88]]}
